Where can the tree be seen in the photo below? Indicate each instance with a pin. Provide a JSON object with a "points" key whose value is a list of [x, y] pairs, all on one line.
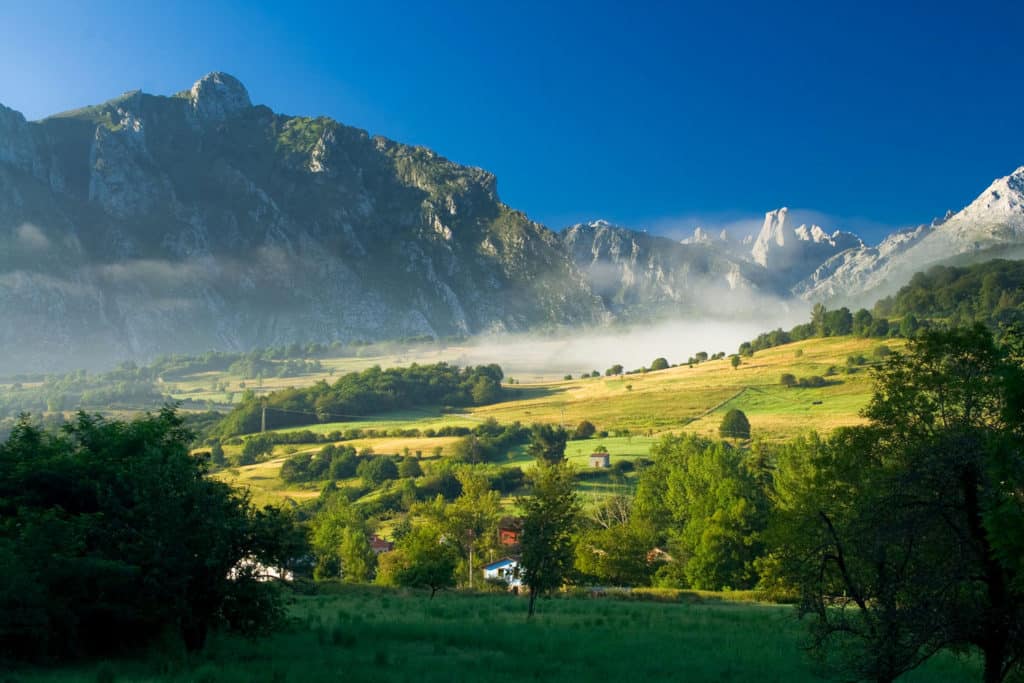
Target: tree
{"points": [[409, 468], [710, 507], [862, 320], [112, 534], [486, 390], [217, 458], [547, 443], [472, 517], [550, 516], [735, 425], [584, 430], [788, 379], [614, 546], [255, 447], [659, 364], [613, 370], [735, 361], [357, 557], [375, 470], [912, 525], [336, 532], [424, 558]]}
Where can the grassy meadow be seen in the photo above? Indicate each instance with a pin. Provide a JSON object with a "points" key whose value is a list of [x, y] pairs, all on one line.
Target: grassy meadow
{"points": [[635, 409], [369, 634]]}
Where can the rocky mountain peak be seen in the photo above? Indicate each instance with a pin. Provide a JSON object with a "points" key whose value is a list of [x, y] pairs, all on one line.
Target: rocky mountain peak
{"points": [[774, 231], [217, 96]]}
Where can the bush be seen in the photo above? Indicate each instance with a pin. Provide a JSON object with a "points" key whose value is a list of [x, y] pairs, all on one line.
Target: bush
{"points": [[84, 514], [584, 430], [735, 425], [659, 364], [409, 468], [376, 470]]}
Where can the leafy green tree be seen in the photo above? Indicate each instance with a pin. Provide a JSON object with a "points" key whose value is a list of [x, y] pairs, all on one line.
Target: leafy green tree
{"points": [[424, 558], [584, 430], [912, 525], [254, 448], [788, 379], [862, 320], [410, 468], [547, 443], [614, 370], [486, 390], [111, 535], [217, 458], [335, 531], [357, 557], [472, 518], [711, 507], [659, 364], [468, 450], [735, 361], [614, 546], [735, 425], [376, 470], [550, 517]]}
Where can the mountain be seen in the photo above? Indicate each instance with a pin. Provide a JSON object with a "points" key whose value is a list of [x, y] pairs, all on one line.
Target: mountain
{"points": [[152, 224], [991, 226], [792, 253], [640, 276]]}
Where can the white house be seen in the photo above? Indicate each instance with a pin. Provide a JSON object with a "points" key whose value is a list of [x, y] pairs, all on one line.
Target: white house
{"points": [[507, 570]]}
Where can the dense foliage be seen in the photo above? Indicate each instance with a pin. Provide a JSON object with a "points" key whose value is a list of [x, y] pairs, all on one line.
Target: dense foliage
{"points": [[364, 393], [904, 537], [111, 535], [991, 293], [835, 323]]}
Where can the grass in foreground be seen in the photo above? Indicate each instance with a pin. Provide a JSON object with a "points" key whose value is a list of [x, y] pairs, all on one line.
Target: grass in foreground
{"points": [[364, 634]]}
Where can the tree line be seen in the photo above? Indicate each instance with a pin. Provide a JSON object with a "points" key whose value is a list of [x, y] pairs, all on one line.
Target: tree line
{"points": [[365, 393]]}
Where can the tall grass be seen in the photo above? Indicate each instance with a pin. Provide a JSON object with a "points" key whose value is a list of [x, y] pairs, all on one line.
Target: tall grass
{"points": [[366, 634]]}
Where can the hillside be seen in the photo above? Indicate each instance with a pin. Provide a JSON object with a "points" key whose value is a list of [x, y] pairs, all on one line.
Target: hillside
{"points": [[991, 226], [633, 409], [152, 224]]}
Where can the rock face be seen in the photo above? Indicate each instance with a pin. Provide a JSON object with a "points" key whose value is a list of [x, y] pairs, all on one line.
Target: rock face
{"points": [[793, 253], [991, 226], [644, 276], [153, 224]]}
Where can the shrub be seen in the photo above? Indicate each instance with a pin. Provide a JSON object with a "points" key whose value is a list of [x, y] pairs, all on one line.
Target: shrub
{"points": [[376, 470], [584, 430], [735, 425], [659, 364]]}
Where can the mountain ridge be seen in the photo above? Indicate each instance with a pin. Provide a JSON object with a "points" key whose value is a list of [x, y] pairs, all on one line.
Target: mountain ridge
{"points": [[151, 224]]}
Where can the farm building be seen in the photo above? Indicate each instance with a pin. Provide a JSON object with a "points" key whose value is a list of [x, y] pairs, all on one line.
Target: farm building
{"points": [[600, 460], [509, 531], [379, 545], [506, 569]]}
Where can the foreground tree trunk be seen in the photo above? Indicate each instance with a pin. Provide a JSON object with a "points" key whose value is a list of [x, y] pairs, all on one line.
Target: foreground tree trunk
{"points": [[533, 600]]}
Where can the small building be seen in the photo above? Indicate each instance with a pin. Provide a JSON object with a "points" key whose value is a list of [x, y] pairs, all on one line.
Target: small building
{"points": [[600, 460], [510, 529], [507, 570], [378, 545]]}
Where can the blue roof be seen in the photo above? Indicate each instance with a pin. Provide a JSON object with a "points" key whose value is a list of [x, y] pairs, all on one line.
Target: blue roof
{"points": [[500, 563]]}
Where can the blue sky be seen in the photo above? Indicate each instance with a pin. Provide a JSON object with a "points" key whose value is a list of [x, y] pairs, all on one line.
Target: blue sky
{"points": [[660, 116]]}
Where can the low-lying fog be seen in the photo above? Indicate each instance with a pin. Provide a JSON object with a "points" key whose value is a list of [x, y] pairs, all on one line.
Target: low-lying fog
{"points": [[526, 356]]}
